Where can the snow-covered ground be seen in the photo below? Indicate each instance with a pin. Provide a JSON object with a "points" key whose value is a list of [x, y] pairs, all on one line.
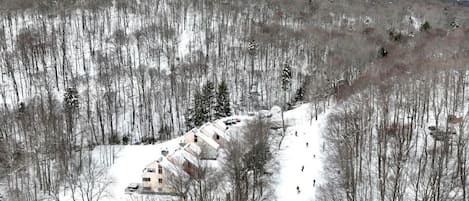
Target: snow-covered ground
{"points": [[294, 154], [130, 160], [129, 164]]}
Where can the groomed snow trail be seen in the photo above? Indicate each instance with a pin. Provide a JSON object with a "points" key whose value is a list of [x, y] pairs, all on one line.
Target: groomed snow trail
{"points": [[294, 155]]}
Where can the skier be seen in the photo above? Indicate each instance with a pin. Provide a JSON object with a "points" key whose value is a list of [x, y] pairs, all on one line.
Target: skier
{"points": [[302, 168], [296, 133], [298, 189], [306, 144], [314, 182]]}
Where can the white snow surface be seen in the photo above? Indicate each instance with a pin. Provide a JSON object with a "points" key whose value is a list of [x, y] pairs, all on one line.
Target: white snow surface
{"points": [[130, 160], [294, 154], [129, 163]]}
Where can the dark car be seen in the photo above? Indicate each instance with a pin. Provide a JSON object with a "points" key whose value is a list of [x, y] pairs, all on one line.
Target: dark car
{"points": [[231, 121]]}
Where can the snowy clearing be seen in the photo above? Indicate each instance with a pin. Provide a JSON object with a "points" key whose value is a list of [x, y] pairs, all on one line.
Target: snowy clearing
{"points": [[294, 154]]}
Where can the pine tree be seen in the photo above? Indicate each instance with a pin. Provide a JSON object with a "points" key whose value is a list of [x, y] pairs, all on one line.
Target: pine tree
{"points": [[195, 115], [222, 107], [189, 119], [208, 101], [71, 99], [286, 77], [300, 93], [203, 107], [199, 116]]}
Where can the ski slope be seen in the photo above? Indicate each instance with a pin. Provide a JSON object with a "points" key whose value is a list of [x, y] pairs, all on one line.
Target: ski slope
{"points": [[294, 154]]}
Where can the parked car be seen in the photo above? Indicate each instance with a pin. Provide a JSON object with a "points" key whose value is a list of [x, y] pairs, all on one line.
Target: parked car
{"points": [[231, 121], [131, 188]]}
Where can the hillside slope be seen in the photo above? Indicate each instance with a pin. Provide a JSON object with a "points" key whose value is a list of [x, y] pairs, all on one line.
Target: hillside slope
{"points": [[295, 154]]}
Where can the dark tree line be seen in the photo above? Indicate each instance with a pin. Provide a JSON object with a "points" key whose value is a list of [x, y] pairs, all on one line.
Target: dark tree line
{"points": [[208, 105]]}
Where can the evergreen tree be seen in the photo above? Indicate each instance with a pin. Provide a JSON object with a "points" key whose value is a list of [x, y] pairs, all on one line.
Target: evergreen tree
{"points": [[222, 107], [195, 115], [208, 101], [200, 110], [189, 119], [203, 107], [299, 96], [286, 76], [71, 100]]}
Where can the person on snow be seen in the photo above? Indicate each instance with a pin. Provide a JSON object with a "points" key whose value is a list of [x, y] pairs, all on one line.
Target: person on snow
{"points": [[314, 182], [306, 144], [296, 133], [298, 189], [302, 168]]}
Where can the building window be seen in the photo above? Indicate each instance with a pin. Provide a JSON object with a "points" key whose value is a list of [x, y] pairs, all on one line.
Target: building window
{"points": [[195, 138], [160, 170], [217, 137], [160, 189], [151, 170], [146, 179], [160, 180]]}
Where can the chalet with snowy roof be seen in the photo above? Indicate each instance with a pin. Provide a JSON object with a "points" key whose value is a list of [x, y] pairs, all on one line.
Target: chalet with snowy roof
{"points": [[211, 131], [156, 175], [186, 158], [220, 125], [208, 146]]}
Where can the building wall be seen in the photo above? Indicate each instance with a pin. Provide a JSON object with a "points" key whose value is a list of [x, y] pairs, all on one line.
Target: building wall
{"points": [[221, 141], [189, 168], [153, 185], [189, 137]]}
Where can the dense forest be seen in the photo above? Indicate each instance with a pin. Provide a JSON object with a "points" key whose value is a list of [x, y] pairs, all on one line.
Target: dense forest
{"points": [[81, 73]]}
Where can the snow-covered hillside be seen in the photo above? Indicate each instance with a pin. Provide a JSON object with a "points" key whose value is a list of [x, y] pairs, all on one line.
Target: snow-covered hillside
{"points": [[293, 154], [300, 156], [128, 162]]}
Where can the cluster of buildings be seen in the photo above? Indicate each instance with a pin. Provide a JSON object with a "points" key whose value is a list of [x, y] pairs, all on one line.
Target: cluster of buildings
{"points": [[198, 144]]}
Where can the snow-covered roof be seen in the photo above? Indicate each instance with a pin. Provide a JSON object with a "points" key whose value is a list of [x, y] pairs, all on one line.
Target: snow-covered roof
{"points": [[165, 163], [193, 149], [192, 132], [209, 130], [180, 155], [220, 125], [211, 142]]}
